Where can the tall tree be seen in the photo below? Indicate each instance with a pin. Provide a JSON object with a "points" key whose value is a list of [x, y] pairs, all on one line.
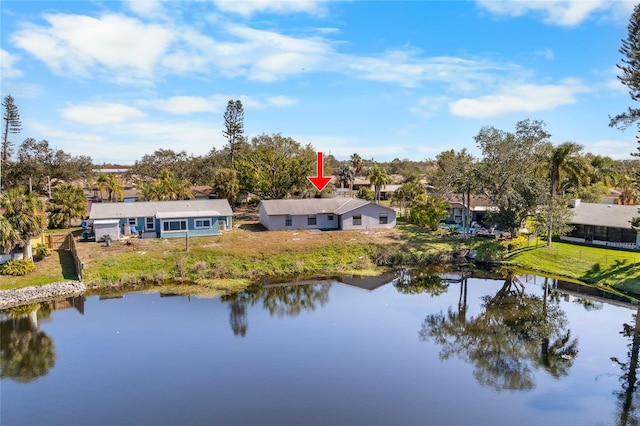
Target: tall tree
{"points": [[12, 124], [507, 171], [565, 159], [276, 167], [456, 172], [356, 163], [346, 175], [630, 74], [68, 203], [234, 128], [25, 213], [379, 178]]}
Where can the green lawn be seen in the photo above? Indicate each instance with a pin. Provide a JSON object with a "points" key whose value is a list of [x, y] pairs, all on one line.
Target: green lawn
{"points": [[617, 269]]}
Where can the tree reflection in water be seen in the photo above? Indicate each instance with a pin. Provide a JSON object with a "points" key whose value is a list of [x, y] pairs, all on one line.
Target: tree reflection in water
{"points": [[416, 281], [515, 334], [281, 300], [627, 396], [26, 353]]}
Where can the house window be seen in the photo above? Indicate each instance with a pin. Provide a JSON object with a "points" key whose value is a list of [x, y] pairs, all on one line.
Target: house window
{"points": [[174, 225], [384, 219], [330, 217], [132, 221], [311, 220], [149, 223], [357, 219], [288, 221], [203, 223]]}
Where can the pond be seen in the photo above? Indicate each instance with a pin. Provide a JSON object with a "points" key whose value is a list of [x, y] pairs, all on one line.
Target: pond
{"points": [[414, 349]]}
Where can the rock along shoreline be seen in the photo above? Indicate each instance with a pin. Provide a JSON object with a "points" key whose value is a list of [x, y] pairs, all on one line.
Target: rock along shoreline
{"points": [[36, 294]]}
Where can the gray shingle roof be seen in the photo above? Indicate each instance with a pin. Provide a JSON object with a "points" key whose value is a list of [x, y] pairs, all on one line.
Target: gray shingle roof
{"points": [[151, 208], [613, 216], [312, 206]]}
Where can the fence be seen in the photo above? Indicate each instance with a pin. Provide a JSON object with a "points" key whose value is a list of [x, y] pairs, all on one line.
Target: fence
{"points": [[55, 241], [70, 244]]}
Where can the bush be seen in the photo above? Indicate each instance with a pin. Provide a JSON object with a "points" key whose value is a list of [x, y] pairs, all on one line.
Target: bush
{"points": [[18, 267], [519, 242], [366, 194], [41, 251]]}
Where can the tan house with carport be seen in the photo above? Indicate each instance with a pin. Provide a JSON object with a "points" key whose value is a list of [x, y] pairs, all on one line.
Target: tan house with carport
{"points": [[325, 213], [604, 225]]}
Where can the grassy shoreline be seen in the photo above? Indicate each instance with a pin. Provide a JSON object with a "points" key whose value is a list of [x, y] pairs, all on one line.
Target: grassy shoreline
{"points": [[248, 254]]}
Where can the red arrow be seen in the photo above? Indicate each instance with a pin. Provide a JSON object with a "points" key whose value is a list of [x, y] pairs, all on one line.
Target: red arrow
{"points": [[319, 181]]}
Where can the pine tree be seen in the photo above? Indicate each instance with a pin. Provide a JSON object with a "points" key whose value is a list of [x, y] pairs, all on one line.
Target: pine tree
{"points": [[630, 74], [234, 127], [12, 124]]}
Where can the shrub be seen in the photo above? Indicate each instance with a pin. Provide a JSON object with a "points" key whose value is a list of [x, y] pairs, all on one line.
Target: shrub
{"points": [[517, 243], [17, 267], [41, 251], [366, 194]]}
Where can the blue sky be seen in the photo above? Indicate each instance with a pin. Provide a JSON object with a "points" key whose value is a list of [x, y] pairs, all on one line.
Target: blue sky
{"points": [[384, 79]]}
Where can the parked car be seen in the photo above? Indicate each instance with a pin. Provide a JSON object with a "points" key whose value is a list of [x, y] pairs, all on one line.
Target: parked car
{"points": [[87, 235]]}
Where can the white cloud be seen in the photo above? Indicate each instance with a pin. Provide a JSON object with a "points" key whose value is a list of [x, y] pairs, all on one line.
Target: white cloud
{"points": [[81, 45], [409, 69], [428, 106], [147, 8], [249, 7], [281, 101], [183, 105], [555, 12], [519, 98], [101, 113], [616, 149], [7, 62]]}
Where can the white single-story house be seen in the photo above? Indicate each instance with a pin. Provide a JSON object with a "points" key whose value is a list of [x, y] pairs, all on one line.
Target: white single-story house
{"points": [[160, 219], [325, 213], [603, 224]]}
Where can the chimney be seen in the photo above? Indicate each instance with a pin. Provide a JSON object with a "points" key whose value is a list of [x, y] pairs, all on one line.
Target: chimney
{"points": [[575, 202]]}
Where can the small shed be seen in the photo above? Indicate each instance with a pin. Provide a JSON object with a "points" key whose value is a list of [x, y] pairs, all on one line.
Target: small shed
{"points": [[106, 227]]}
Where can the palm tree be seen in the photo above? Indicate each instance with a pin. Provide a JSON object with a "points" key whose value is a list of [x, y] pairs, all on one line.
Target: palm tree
{"points": [[565, 159], [603, 170], [167, 187], [356, 163], [68, 202], [629, 194], [24, 213], [8, 236], [379, 178], [112, 184], [346, 175]]}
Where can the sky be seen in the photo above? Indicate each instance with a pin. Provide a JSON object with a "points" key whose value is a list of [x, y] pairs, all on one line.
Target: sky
{"points": [[116, 80]]}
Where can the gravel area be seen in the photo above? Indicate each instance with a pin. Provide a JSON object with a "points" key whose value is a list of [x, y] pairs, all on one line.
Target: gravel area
{"points": [[37, 294]]}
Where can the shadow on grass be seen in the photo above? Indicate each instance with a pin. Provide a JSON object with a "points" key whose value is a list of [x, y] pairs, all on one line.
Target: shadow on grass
{"points": [[67, 264], [620, 269]]}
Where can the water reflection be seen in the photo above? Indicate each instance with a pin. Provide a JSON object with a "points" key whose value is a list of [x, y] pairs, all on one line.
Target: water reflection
{"points": [[279, 300], [515, 334], [26, 353], [627, 396]]}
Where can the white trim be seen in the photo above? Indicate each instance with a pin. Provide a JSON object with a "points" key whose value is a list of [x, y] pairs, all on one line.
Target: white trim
{"points": [[146, 223], [106, 221], [195, 223], [186, 226], [185, 214]]}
